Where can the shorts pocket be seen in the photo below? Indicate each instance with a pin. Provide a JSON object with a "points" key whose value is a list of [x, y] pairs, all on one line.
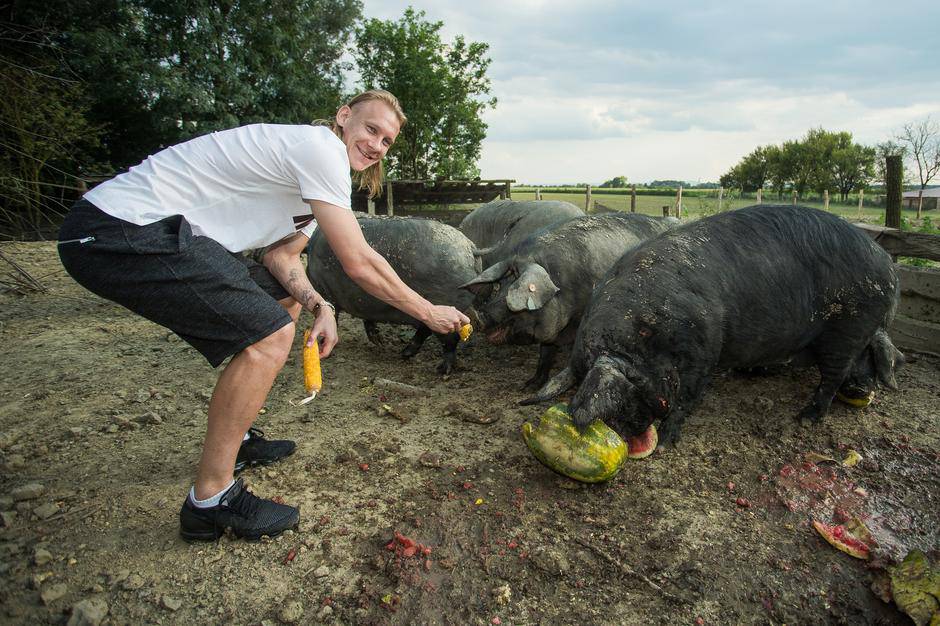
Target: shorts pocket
{"points": [[170, 235]]}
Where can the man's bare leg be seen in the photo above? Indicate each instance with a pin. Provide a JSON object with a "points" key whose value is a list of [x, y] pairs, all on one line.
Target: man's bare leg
{"points": [[239, 394]]}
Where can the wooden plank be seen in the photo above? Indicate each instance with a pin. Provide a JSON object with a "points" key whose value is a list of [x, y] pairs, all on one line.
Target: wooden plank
{"points": [[920, 309], [903, 243], [923, 282], [920, 293], [911, 334]]}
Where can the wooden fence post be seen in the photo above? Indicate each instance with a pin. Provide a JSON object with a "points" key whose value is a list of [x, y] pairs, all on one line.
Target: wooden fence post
{"points": [[370, 203], [794, 197], [760, 195], [861, 201], [587, 200], [894, 175], [825, 200], [633, 198], [507, 193], [679, 203], [538, 194], [721, 195], [391, 204]]}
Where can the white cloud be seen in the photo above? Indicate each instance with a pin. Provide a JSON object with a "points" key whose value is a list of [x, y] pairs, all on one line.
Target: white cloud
{"points": [[682, 90]]}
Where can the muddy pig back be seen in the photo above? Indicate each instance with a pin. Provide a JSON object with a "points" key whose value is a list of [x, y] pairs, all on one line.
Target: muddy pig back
{"points": [[499, 226]]}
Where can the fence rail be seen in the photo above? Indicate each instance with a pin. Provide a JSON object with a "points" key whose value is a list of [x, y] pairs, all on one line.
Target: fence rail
{"points": [[917, 323]]}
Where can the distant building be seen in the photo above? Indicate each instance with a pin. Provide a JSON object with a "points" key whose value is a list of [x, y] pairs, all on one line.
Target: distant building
{"points": [[931, 196]]}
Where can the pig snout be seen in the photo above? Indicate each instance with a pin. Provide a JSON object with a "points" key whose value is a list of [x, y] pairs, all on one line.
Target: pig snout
{"points": [[497, 336]]}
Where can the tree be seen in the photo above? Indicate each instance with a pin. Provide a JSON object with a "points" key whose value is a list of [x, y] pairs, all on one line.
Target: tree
{"points": [[443, 89], [853, 165], [44, 131], [821, 160], [617, 182], [923, 139], [162, 71], [750, 173]]}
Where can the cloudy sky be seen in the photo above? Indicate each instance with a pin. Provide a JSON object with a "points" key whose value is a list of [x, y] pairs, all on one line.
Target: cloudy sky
{"points": [[682, 90]]}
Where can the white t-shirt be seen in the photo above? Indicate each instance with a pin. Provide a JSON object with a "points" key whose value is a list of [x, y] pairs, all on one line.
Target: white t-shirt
{"points": [[245, 187]]}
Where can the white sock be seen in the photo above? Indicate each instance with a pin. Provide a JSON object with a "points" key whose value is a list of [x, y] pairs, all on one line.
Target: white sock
{"points": [[208, 502]]}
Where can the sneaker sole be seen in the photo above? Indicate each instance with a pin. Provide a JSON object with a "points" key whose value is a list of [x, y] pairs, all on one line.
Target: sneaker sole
{"points": [[215, 535]]}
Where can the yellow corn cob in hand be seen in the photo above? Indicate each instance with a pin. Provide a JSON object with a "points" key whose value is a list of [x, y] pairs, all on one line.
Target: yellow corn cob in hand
{"points": [[313, 378], [465, 332]]}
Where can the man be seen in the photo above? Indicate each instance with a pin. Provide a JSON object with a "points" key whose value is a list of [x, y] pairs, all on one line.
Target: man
{"points": [[161, 239]]}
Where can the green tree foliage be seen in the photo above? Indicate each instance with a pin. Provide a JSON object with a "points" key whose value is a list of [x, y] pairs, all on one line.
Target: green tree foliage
{"points": [[751, 173], [162, 71], [110, 81], [820, 161], [617, 182], [443, 89], [853, 165]]}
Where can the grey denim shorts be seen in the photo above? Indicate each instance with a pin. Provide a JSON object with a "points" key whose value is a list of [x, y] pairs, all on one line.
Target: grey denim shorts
{"points": [[218, 302]]}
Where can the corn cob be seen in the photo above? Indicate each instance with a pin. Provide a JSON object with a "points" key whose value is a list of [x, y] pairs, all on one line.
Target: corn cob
{"points": [[465, 332], [313, 379]]}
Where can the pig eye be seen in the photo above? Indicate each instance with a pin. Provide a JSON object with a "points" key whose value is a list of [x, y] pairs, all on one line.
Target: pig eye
{"points": [[495, 288]]}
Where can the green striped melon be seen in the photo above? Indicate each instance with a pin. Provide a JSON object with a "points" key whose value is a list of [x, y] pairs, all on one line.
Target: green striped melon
{"points": [[591, 457]]}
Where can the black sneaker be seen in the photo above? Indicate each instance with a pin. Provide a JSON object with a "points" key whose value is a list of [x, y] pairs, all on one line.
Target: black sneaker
{"points": [[246, 514], [256, 450]]}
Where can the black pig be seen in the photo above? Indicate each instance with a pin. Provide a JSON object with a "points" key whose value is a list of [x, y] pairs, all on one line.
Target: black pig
{"points": [[430, 257], [538, 293], [499, 226], [755, 286]]}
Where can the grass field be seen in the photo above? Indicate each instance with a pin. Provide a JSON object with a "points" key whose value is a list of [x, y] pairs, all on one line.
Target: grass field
{"points": [[693, 207]]}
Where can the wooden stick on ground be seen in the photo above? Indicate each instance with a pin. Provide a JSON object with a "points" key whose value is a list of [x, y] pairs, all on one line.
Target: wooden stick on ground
{"points": [[626, 569], [25, 278]]}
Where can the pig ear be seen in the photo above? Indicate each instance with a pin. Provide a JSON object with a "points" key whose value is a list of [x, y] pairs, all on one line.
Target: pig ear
{"points": [[491, 275], [559, 383], [531, 290]]}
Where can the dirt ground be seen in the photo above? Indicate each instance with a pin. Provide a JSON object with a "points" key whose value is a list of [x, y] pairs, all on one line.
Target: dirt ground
{"points": [[105, 413]]}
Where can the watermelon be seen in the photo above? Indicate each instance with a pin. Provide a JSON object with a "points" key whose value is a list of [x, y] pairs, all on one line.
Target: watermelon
{"points": [[841, 539], [643, 445], [593, 456]]}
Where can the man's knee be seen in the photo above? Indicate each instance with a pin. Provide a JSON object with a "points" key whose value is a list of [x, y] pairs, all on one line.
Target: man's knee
{"points": [[275, 348]]}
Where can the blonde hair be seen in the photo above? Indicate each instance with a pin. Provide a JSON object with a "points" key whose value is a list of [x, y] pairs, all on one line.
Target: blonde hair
{"points": [[371, 177]]}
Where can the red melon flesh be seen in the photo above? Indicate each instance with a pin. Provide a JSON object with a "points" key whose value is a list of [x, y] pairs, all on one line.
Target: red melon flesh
{"points": [[842, 539], [643, 445]]}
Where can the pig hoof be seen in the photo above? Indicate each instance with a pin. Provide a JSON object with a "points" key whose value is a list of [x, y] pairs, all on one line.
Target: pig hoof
{"points": [[445, 368], [534, 383], [810, 414]]}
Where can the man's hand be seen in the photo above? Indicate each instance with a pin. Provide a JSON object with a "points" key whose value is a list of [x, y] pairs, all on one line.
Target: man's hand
{"points": [[445, 319], [324, 326]]}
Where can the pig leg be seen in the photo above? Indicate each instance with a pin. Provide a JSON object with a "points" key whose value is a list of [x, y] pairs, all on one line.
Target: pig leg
{"points": [[671, 424], [835, 356], [449, 352], [372, 332], [547, 353], [421, 335]]}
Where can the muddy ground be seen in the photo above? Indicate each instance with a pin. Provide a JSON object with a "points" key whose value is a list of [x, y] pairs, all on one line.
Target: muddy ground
{"points": [[106, 411]]}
